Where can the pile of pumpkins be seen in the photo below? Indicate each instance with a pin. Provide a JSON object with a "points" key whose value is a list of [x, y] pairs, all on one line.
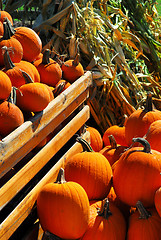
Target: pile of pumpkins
{"points": [[112, 189], [29, 77]]}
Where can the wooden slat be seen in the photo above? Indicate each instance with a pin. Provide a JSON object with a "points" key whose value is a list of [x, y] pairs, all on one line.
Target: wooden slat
{"points": [[20, 213], [21, 141], [19, 180]]}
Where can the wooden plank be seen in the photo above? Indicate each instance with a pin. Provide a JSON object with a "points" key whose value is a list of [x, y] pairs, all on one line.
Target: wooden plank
{"points": [[20, 213], [19, 180], [21, 141]]}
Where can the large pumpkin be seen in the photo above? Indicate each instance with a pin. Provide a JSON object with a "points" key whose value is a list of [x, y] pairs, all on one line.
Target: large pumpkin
{"points": [[91, 170], [140, 120], [144, 224], [137, 175], [63, 208], [106, 222], [49, 70], [11, 117], [157, 200]]}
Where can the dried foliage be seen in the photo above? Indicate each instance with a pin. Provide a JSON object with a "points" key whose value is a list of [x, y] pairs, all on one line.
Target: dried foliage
{"points": [[118, 40]]}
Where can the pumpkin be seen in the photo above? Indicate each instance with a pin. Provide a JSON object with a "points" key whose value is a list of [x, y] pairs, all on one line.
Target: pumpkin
{"points": [[91, 170], [157, 200], [153, 135], [144, 224], [4, 15], [33, 97], [7, 41], [11, 117], [60, 87], [63, 208], [30, 41], [14, 70], [105, 222], [113, 151], [119, 134], [96, 141], [140, 120], [72, 69], [5, 86], [136, 175], [49, 70]]}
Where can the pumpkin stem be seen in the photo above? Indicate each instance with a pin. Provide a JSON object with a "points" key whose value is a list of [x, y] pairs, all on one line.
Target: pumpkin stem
{"points": [[7, 60], [149, 103], [45, 58], [58, 89], [85, 145], [60, 178], [112, 142], [27, 77], [144, 214], [144, 142], [104, 211], [76, 60], [7, 33], [12, 96], [10, 27]]}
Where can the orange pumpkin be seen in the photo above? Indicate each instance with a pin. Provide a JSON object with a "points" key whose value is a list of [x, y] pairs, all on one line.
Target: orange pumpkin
{"points": [[4, 15], [137, 175], [49, 70], [119, 134], [30, 42], [91, 170], [96, 141], [11, 117], [144, 224], [63, 208], [60, 87], [140, 120], [14, 70], [105, 222], [5, 86], [153, 135], [157, 200], [72, 69]]}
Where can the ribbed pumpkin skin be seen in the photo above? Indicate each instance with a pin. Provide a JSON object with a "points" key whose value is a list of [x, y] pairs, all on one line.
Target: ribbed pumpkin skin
{"points": [[11, 117], [100, 228], [92, 171], [5, 86], [139, 122], [5, 14], [118, 133], [70, 72], [33, 97], [50, 73], [137, 176], [157, 200], [16, 75], [96, 139], [63, 209], [16, 52], [144, 229], [30, 42], [153, 135]]}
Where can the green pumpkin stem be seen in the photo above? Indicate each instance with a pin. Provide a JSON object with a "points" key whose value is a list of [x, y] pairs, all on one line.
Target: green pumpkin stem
{"points": [[7, 34], [7, 60], [27, 77], [112, 142], [46, 57], [149, 103], [144, 214], [144, 142], [85, 145], [104, 211], [12, 96], [60, 178]]}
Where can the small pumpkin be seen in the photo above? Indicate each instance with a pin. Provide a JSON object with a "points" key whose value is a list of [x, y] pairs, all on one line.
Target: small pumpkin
{"points": [[153, 135], [63, 208], [136, 175], [96, 141], [91, 170], [49, 70], [140, 120], [157, 200], [144, 224], [105, 222], [72, 69]]}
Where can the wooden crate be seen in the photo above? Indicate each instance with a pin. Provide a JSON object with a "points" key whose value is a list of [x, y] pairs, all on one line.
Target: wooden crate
{"points": [[23, 171]]}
